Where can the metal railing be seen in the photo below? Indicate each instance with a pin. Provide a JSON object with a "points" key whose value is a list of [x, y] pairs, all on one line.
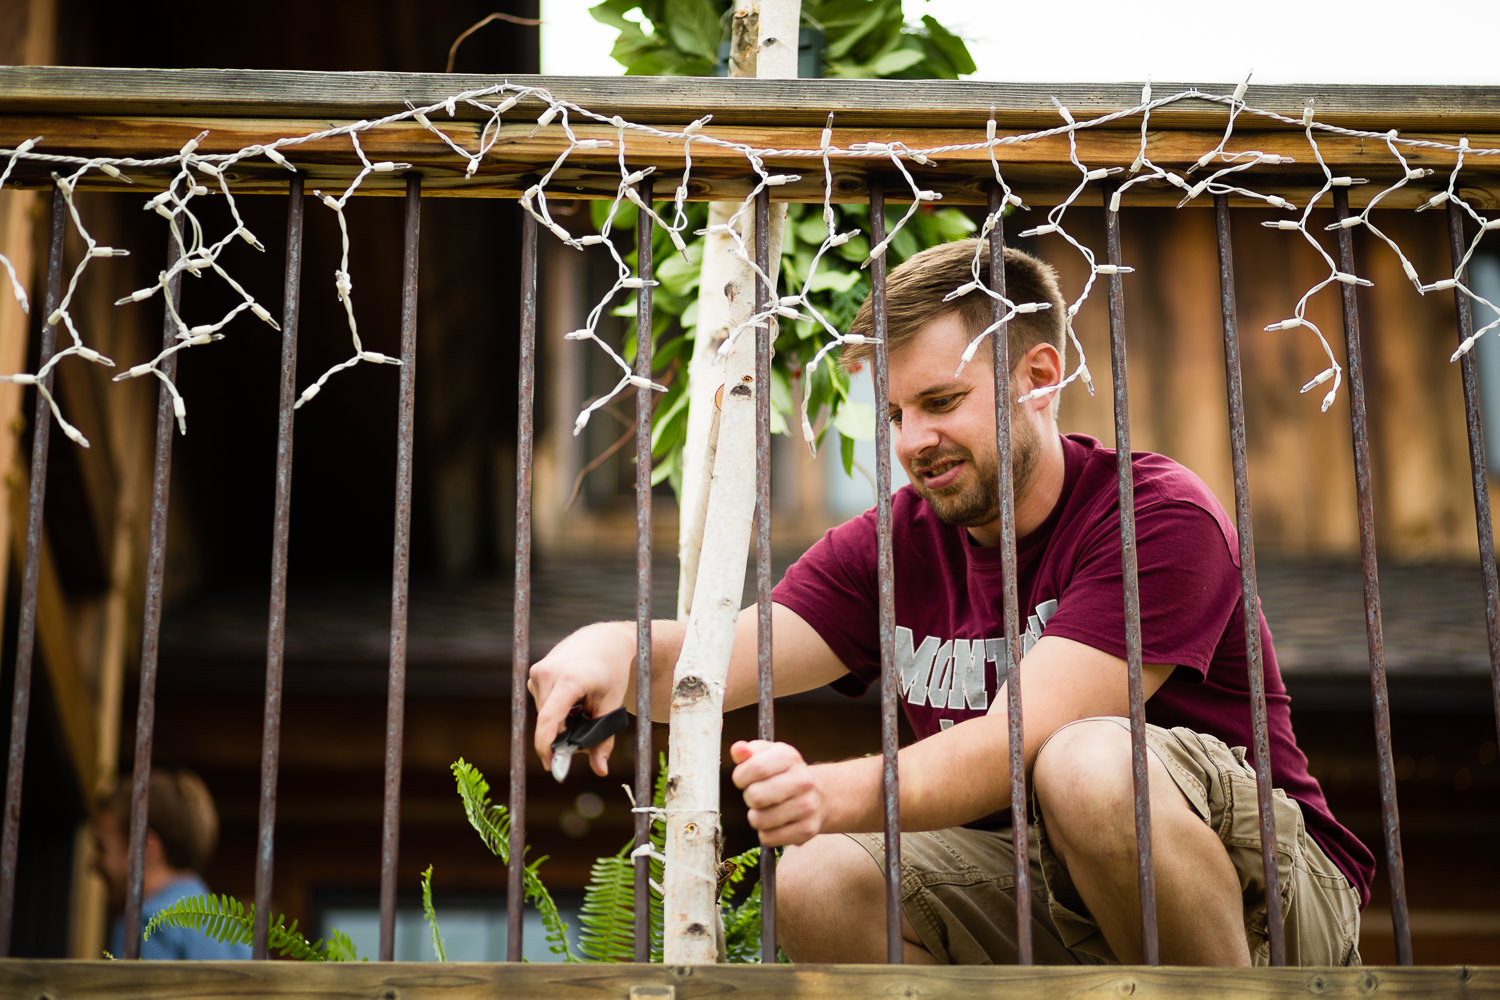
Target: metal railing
{"points": [[873, 184]]}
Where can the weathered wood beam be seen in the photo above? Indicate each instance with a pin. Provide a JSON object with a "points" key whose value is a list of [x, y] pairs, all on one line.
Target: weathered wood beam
{"points": [[678, 100], [75, 980], [1040, 169]]}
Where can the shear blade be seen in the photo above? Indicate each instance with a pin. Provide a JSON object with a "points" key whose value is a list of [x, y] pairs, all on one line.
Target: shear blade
{"points": [[562, 759]]}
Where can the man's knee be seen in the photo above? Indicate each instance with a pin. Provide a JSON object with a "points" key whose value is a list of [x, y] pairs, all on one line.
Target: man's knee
{"points": [[1082, 774], [824, 891]]}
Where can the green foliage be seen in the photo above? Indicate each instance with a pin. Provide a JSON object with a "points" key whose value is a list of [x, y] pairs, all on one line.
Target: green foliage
{"points": [[492, 822], [430, 914], [863, 39], [607, 917], [226, 919]]}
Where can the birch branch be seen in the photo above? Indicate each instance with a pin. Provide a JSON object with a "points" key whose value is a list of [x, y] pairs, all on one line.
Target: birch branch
{"points": [[694, 836]]}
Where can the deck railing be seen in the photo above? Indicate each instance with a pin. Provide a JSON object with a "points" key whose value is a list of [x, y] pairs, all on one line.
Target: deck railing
{"points": [[985, 143]]}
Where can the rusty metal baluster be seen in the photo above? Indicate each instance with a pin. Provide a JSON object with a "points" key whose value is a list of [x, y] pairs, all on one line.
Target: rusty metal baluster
{"points": [[643, 402], [1009, 668], [520, 657], [1477, 462], [765, 717], [1275, 928], [887, 586], [156, 562], [41, 431], [1390, 819], [395, 718], [1146, 872], [270, 751]]}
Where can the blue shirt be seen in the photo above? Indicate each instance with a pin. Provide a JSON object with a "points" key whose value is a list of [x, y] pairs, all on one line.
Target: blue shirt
{"points": [[168, 942]]}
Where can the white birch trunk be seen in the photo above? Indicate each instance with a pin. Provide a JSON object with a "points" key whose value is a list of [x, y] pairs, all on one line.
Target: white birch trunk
{"points": [[764, 44], [690, 906]]}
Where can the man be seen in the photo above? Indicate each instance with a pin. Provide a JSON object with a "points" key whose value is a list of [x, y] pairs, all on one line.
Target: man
{"points": [[956, 879], [182, 832]]}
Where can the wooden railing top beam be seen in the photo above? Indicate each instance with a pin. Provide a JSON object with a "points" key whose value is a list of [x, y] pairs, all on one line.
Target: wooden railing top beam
{"points": [[149, 114], [677, 100]]}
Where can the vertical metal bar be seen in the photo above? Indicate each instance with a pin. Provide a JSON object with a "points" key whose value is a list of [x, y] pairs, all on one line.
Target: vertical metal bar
{"points": [[1250, 593], [1009, 669], [156, 562], [644, 765], [395, 708], [1146, 878], [765, 718], [1476, 460], [1390, 820], [521, 636], [270, 749], [41, 432], [885, 556]]}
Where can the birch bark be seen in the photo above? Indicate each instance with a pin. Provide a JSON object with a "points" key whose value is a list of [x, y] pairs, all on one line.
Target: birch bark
{"points": [[690, 906]]}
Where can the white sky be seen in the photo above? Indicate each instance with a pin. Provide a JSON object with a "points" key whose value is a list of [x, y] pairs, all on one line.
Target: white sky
{"points": [[1280, 41]]}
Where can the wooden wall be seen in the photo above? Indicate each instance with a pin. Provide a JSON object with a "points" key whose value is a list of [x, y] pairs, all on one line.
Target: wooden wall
{"points": [[1301, 460]]}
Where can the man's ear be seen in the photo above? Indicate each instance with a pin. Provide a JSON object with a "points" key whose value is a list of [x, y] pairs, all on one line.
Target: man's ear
{"points": [[1039, 367]]}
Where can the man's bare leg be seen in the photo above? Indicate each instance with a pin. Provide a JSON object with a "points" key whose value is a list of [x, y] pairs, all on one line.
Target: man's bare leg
{"points": [[1083, 783], [830, 905]]}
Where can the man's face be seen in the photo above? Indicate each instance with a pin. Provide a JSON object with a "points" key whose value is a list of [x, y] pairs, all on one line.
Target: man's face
{"points": [[945, 429], [111, 855]]}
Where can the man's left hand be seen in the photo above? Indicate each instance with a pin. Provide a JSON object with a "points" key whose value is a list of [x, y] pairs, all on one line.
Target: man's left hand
{"points": [[781, 792]]}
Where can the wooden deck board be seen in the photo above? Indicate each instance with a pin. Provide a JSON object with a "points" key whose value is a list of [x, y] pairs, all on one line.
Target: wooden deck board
{"points": [[76, 980]]}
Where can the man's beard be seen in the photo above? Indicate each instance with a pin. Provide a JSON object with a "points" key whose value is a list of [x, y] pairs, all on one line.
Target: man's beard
{"points": [[975, 500]]}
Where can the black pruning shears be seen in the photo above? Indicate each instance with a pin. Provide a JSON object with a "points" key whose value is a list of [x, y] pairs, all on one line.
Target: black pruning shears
{"points": [[581, 732]]}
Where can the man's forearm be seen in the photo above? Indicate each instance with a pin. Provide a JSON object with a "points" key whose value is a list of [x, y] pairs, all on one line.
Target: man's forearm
{"points": [[948, 779]]}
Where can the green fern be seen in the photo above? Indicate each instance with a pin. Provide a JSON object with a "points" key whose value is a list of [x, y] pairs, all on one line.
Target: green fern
{"points": [[492, 822], [607, 916], [742, 940], [428, 912], [226, 919]]}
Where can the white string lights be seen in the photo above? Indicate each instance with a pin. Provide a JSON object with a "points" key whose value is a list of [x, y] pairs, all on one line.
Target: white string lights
{"points": [[1219, 170]]}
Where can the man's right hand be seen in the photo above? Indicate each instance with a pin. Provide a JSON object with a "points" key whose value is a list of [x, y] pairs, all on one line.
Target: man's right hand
{"points": [[592, 668]]}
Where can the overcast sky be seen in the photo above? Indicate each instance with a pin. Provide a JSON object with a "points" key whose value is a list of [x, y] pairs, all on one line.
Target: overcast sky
{"points": [[1281, 41]]}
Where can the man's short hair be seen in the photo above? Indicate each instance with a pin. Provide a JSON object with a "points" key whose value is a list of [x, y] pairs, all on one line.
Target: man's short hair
{"points": [[915, 292], [179, 810]]}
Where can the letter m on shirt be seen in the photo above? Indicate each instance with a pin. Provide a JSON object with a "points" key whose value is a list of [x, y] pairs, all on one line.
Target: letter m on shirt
{"points": [[943, 674]]}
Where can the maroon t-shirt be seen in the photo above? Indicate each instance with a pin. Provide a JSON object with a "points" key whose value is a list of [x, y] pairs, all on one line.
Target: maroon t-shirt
{"points": [[951, 627]]}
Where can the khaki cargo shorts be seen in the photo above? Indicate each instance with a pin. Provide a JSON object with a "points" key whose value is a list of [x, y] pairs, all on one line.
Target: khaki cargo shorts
{"points": [[957, 884]]}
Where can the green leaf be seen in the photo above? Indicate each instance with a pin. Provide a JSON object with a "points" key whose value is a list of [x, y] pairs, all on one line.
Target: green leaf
{"points": [[837, 281], [894, 62], [856, 420], [431, 916], [846, 452], [678, 275], [950, 45], [838, 48], [695, 28], [952, 224], [612, 13]]}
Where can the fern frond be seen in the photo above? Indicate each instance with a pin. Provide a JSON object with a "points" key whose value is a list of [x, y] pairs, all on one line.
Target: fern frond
{"points": [[226, 919], [222, 918], [340, 948], [492, 822], [607, 917], [431, 915]]}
